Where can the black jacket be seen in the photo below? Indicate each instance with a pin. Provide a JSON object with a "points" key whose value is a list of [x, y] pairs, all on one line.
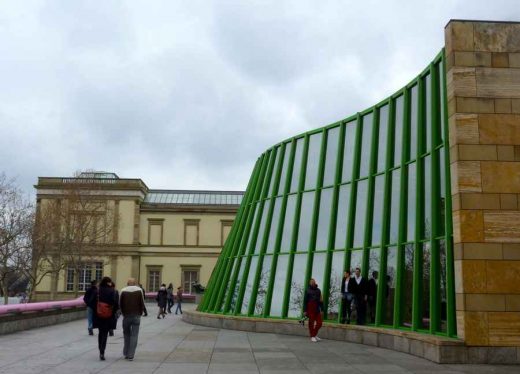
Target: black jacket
{"points": [[312, 294], [110, 296], [351, 285], [87, 298], [162, 297], [372, 288], [362, 287]]}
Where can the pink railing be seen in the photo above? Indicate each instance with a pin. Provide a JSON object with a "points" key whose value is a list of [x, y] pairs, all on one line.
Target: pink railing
{"points": [[44, 305]]}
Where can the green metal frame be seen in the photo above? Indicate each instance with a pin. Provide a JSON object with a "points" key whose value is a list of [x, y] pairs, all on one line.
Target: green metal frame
{"points": [[257, 211]]}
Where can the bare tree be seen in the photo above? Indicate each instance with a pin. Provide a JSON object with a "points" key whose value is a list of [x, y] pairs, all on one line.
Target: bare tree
{"points": [[16, 216]]}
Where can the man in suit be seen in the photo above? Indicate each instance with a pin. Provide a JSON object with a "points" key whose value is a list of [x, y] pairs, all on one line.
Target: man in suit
{"points": [[348, 287], [361, 297], [372, 296]]}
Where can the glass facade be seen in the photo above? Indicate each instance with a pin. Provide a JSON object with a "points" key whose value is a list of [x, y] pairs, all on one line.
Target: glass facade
{"points": [[368, 192]]}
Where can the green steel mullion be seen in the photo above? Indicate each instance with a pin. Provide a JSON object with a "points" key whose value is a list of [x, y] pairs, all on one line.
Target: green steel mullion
{"points": [[279, 232], [334, 215], [288, 278], [239, 245], [353, 191], [385, 222], [370, 200], [398, 303], [265, 236], [245, 204], [435, 203], [450, 271], [254, 237]]}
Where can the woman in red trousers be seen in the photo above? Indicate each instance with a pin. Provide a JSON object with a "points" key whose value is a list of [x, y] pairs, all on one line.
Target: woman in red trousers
{"points": [[312, 306]]}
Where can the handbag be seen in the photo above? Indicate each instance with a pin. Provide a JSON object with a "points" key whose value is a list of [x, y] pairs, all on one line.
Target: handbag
{"points": [[103, 310]]}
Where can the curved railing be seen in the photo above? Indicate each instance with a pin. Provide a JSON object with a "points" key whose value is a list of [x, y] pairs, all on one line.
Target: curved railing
{"points": [[41, 306]]}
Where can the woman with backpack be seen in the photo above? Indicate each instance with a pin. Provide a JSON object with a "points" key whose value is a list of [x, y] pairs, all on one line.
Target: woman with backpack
{"points": [[106, 302]]}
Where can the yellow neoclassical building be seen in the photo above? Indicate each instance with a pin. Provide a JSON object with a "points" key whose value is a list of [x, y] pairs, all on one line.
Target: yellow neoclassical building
{"points": [[155, 236]]}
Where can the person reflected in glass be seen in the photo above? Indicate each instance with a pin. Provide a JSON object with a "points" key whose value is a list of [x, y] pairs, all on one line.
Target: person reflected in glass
{"points": [[348, 289], [169, 290], [312, 307], [361, 297], [179, 300], [372, 296]]}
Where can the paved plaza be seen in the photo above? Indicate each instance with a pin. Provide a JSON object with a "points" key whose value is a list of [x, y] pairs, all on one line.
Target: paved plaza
{"points": [[173, 346]]}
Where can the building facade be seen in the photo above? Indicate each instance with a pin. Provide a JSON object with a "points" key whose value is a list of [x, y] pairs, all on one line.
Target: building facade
{"points": [[420, 191], [155, 236]]}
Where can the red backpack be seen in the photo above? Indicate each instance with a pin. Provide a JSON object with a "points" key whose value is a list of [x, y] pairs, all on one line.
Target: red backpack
{"points": [[103, 310]]}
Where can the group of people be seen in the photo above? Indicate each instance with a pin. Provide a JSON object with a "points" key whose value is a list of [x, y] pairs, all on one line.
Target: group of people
{"points": [[357, 294], [105, 305], [165, 300]]}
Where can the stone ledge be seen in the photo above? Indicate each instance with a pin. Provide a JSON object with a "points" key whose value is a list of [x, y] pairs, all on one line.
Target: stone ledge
{"points": [[434, 348]]}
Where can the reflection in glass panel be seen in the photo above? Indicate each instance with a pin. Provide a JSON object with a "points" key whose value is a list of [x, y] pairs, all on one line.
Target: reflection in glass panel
{"points": [[288, 224], [341, 219], [322, 234], [313, 161], [377, 223], [295, 179], [394, 213], [318, 268], [261, 231], [408, 284], [356, 260], [283, 176], [242, 263], [425, 294], [427, 198], [298, 285], [442, 181], [383, 134], [336, 275], [348, 151], [267, 177], [274, 225], [304, 228], [389, 294], [414, 110], [251, 228], [398, 135], [232, 264], [428, 103], [279, 286], [443, 296], [364, 163], [373, 280], [361, 206], [262, 285], [275, 171], [411, 208], [331, 156], [249, 285]]}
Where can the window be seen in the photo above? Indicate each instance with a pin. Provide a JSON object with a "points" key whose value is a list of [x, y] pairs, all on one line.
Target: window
{"points": [[225, 229], [191, 232], [155, 231], [87, 273], [190, 276], [154, 278]]}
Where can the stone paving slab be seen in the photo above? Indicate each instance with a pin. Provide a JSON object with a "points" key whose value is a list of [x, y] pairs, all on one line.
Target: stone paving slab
{"points": [[172, 346]]}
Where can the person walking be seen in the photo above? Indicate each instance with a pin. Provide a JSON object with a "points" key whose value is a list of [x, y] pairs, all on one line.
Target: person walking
{"points": [[106, 302], [372, 296], [361, 297], [132, 308], [348, 287], [161, 298], [87, 299], [117, 313], [144, 295], [179, 300], [312, 307], [169, 290]]}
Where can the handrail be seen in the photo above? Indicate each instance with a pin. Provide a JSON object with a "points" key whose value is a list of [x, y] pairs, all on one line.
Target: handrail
{"points": [[40, 306]]}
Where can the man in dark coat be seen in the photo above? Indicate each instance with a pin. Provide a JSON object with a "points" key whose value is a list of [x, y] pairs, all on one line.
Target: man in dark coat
{"points": [[372, 296], [348, 290], [162, 300], [361, 297], [108, 295], [90, 306]]}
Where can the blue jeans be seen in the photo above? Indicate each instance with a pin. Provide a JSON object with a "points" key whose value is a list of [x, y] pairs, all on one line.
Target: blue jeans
{"points": [[90, 318], [131, 333], [179, 307]]}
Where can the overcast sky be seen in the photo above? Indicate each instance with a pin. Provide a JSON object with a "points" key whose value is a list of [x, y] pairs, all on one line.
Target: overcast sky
{"points": [[187, 94]]}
